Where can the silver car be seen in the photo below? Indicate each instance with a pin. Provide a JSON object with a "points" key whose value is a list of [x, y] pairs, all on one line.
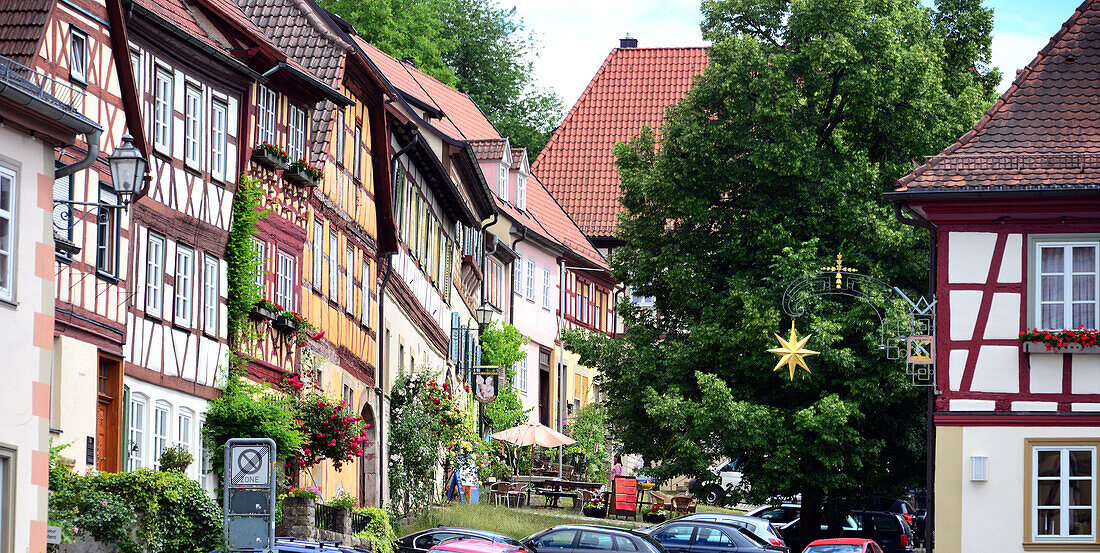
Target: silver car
{"points": [[760, 527]]}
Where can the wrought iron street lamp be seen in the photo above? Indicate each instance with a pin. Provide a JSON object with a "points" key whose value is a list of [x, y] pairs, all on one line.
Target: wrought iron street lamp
{"points": [[484, 314], [127, 176]]}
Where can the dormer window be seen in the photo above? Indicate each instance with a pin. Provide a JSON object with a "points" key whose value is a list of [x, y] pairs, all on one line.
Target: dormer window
{"points": [[502, 183], [521, 192]]}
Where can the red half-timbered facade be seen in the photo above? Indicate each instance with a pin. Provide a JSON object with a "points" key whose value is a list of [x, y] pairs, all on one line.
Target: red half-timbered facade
{"points": [[1012, 208]]}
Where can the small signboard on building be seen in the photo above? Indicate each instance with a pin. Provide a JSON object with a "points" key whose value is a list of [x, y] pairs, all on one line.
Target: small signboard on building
{"points": [[919, 350]]}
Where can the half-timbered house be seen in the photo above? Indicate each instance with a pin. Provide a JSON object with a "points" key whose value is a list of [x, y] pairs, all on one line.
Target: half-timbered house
{"points": [[1016, 245]]}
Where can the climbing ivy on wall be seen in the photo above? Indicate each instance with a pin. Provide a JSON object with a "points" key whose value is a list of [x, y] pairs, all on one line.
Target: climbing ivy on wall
{"points": [[242, 260]]}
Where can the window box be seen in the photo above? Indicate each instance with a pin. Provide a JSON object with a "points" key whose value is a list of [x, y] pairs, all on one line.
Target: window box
{"points": [[262, 311], [299, 176], [270, 156], [285, 324], [1040, 347]]}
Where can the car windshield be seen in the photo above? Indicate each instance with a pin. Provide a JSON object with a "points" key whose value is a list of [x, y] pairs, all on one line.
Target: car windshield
{"points": [[834, 548]]}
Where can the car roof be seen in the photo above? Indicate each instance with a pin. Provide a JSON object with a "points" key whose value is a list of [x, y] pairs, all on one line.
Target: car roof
{"points": [[294, 545], [734, 516], [841, 541], [473, 531], [611, 529], [473, 545]]}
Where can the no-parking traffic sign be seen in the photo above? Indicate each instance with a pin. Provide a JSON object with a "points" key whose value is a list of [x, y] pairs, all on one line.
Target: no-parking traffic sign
{"points": [[250, 465]]}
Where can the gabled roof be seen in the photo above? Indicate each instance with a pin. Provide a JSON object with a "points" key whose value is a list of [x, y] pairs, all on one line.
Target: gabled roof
{"points": [[22, 26], [1043, 132], [519, 160], [492, 148], [631, 90]]}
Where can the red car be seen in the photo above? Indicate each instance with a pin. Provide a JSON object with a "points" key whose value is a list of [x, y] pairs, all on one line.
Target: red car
{"points": [[474, 545], [843, 545]]}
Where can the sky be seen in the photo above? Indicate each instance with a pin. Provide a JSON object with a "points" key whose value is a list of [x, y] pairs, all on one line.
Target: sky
{"points": [[576, 35]]}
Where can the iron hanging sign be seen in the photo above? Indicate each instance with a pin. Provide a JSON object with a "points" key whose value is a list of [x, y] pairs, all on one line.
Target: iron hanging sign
{"points": [[907, 327], [486, 383]]}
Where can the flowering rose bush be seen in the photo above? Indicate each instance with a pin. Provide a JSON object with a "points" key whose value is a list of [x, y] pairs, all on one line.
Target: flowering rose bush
{"points": [[1061, 338], [329, 431]]}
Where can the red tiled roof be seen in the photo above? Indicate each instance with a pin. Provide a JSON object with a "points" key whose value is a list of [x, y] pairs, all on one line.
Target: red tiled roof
{"points": [[631, 90], [488, 149], [1044, 131], [462, 119], [22, 26]]}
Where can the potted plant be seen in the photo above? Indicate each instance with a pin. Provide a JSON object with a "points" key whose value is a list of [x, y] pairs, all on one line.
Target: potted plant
{"points": [[1074, 340], [595, 508], [654, 515], [270, 156], [266, 310], [285, 322], [303, 174]]}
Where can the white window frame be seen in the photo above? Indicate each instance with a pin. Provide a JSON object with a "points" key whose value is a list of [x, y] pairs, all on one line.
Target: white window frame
{"points": [[1067, 273], [78, 55], [531, 278], [296, 132], [138, 426], [284, 281], [496, 277], [185, 421], [364, 281], [356, 156], [211, 295], [521, 192], [318, 253], [517, 278], [502, 182], [265, 115], [219, 121], [162, 110], [260, 248], [185, 283], [521, 376], [107, 234], [1064, 508], [192, 127], [338, 143], [7, 242], [546, 276], [333, 264], [160, 434], [154, 275], [349, 282]]}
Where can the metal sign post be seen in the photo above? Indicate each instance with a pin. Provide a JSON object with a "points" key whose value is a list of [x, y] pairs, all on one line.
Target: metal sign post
{"points": [[248, 498]]}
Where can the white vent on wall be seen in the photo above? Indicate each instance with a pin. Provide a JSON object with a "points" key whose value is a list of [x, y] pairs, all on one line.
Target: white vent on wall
{"points": [[979, 469]]}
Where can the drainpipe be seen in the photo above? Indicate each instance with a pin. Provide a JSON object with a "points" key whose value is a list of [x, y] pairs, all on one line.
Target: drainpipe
{"points": [[92, 138], [512, 310], [907, 216]]}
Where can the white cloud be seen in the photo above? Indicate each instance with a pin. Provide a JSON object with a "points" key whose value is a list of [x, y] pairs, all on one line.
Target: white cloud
{"points": [[577, 35], [1012, 51]]}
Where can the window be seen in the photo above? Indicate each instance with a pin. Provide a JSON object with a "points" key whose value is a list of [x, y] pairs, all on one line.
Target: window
{"points": [[356, 152], [546, 288], [185, 259], [349, 280], [154, 274], [496, 279], [192, 129], [7, 231], [597, 541], [338, 140], [265, 116], [1062, 491], [296, 133], [399, 201], [135, 64], [183, 429], [349, 399], [205, 466], [1066, 276], [106, 260], [284, 282], [561, 539], [7, 498], [521, 375], [162, 111], [517, 278], [318, 254], [218, 117], [160, 431], [676, 536], [521, 192], [502, 182], [530, 279], [363, 282], [78, 56], [713, 537], [137, 432], [333, 266], [210, 294], [261, 261]]}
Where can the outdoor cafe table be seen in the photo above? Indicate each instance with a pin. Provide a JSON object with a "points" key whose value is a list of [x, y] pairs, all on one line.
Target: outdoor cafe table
{"points": [[554, 488]]}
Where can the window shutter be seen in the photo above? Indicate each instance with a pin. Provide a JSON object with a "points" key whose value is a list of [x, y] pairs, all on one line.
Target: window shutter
{"points": [[62, 214]]}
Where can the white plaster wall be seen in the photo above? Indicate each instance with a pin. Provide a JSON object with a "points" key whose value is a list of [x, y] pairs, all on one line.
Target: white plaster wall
{"points": [[969, 256], [1003, 494], [177, 403], [76, 364]]}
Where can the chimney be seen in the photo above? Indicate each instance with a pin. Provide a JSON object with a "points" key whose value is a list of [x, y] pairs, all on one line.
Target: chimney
{"points": [[409, 60], [628, 42]]}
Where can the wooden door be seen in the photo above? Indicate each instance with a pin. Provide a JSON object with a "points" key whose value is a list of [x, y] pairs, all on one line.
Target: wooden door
{"points": [[108, 415], [102, 452]]}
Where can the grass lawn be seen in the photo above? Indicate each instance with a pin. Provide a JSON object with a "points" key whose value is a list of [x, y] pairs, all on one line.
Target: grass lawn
{"points": [[704, 508], [511, 521]]}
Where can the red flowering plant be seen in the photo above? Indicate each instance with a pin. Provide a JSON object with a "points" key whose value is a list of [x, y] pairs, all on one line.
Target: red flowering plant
{"points": [[274, 150], [1061, 338], [303, 166], [329, 431], [441, 404], [304, 330]]}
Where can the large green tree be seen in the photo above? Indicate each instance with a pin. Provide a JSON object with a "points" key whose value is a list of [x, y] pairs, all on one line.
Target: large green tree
{"points": [[774, 162], [476, 46]]}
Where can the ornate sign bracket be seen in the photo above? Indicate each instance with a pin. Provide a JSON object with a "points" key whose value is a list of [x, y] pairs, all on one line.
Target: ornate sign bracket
{"points": [[908, 328]]}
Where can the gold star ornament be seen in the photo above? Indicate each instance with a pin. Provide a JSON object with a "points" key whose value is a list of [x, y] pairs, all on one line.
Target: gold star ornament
{"points": [[791, 352]]}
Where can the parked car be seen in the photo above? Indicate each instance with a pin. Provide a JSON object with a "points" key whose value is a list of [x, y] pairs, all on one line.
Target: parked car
{"points": [[777, 514], [475, 545], [419, 542], [583, 538], [889, 530], [843, 545], [726, 476], [293, 545], [763, 528], [694, 536]]}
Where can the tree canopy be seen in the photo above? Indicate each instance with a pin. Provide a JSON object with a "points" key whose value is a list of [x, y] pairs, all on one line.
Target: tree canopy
{"points": [[475, 46], [773, 163]]}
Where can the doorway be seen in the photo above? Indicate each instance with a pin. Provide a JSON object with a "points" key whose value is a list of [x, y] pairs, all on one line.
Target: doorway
{"points": [[108, 417], [369, 463], [544, 386]]}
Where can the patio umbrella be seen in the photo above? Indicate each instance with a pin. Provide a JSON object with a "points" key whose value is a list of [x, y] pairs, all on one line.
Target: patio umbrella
{"points": [[535, 434]]}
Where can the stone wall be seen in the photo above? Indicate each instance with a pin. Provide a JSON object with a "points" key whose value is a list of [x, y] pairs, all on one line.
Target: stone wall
{"points": [[298, 522]]}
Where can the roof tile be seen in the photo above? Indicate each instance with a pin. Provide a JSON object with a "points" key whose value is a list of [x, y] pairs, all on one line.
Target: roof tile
{"points": [[22, 26]]}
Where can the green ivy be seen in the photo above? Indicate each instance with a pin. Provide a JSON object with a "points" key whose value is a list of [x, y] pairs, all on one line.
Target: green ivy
{"points": [[502, 346], [243, 263], [379, 532]]}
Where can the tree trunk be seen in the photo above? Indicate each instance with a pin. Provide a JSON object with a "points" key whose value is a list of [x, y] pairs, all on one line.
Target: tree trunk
{"points": [[809, 527]]}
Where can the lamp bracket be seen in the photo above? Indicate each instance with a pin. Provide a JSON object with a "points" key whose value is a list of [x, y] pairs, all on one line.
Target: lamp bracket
{"points": [[67, 222]]}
